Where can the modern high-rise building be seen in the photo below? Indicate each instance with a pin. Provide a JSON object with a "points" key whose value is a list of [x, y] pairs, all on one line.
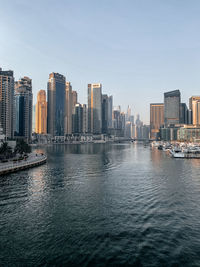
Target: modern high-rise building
{"points": [[128, 114], [94, 108], [156, 119], [85, 118], [189, 116], [183, 113], [33, 119], [110, 112], [41, 113], [104, 114], [56, 104], [23, 108], [78, 119], [68, 108], [172, 102], [7, 103], [74, 98], [194, 105]]}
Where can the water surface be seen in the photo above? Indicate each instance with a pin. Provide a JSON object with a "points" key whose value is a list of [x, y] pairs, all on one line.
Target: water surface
{"points": [[102, 205]]}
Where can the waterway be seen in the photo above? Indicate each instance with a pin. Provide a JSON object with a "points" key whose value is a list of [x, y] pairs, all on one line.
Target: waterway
{"points": [[102, 205]]}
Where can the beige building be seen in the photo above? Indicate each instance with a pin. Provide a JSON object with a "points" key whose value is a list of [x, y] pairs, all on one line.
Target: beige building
{"points": [[41, 113], [156, 119], [194, 105], [70, 102]]}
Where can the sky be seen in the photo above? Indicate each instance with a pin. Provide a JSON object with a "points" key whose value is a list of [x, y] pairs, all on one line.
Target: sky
{"points": [[137, 49]]}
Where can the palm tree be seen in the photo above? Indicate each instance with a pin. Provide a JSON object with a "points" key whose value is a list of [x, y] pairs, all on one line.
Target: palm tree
{"points": [[5, 150], [22, 147]]}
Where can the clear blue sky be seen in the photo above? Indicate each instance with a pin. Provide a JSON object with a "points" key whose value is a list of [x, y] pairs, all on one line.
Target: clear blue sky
{"points": [[136, 49]]}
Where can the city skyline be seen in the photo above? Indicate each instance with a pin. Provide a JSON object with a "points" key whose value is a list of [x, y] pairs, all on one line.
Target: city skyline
{"points": [[148, 49]]}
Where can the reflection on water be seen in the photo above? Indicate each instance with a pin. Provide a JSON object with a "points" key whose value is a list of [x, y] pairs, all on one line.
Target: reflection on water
{"points": [[102, 205]]}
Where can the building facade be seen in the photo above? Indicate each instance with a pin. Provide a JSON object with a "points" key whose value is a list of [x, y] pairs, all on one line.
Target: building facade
{"points": [[110, 112], [78, 119], [68, 108], [7, 103], [172, 102], [23, 108], [194, 105], [56, 87], [156, 119], [104, 114], [41, 113], [95, 108]]}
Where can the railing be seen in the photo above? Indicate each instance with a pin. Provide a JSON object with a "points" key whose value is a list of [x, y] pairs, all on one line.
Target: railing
{"points": [[35, 160]]}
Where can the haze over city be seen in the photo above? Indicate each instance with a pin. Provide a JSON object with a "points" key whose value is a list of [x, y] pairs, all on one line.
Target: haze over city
{"points": [[136, 49]]}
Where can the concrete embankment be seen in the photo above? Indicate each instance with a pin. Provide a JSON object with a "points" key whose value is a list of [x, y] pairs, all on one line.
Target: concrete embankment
{"points": [[32, 161]]}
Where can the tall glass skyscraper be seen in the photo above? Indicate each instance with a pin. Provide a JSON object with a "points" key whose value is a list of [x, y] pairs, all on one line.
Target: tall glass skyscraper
{"points": [[94, 108], [104, 114], [110, 112], [23, 108], [56, 104], [172, 102], [7, 102]]}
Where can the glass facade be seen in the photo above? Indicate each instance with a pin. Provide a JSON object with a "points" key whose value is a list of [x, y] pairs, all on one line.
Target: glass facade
{"points": [[172, 107], [56, 104]]}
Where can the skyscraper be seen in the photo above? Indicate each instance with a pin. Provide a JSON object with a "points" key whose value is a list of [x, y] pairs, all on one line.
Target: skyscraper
{"points": [[74, 98], [110, 112], [128, 114], [85, 118], [23, 108], [7, 102], [68, 108], [104, 114], [172, 102], [94, 108], [156, 119], [78, 119], [194, 105], [33, 119], [41, 113], [183, 113], [56, 104]]}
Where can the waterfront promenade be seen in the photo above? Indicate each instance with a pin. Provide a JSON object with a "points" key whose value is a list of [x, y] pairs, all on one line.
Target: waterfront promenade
{"points": [[13, 166]]}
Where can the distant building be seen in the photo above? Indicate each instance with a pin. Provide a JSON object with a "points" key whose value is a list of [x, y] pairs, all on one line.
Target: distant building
{"points": [[56, 104], [69, 102], [85, 118], [94, 108], [183, 113], [74, 98], [138, 127], [110, 112], [33, 119], [7, 103], [194, 105], [189, 133], [41, 113], [189, 116], [156, 119], [129, 130], [23, 108], [172, 102], [78, 119], [104, 114], [128, 114]]}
